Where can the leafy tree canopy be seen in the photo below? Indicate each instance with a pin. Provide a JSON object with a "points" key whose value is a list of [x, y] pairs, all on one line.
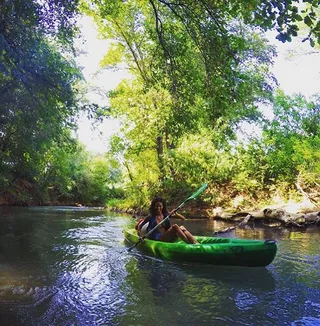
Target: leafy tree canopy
{"points": [[201, 68], [55, 18], [211, 64], [37, 80]]}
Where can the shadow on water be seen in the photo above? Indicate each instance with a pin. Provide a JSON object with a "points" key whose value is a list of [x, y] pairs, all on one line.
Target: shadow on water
{"points": [[162, 274], [166, 293], [59, 266]]}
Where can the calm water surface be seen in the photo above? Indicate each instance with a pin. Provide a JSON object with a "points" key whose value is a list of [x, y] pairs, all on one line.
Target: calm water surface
{"points": [[70, 266]]}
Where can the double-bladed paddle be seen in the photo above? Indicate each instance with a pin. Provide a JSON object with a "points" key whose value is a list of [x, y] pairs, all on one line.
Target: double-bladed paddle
{"points": [[193, 196]]}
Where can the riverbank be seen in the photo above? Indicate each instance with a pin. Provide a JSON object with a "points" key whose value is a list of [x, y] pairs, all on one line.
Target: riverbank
{"points": [[296, 213], [24, 193], [288, 215]]}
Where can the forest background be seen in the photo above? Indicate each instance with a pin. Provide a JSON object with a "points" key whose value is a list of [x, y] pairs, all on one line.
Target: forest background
{"points": [[200, 74]]}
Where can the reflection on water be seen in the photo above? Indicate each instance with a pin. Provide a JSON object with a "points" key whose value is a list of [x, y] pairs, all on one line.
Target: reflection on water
{"points": [[176, 294], [69, 266]]}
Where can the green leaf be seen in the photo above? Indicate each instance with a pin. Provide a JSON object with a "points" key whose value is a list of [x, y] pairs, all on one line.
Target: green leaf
{"points": [[312, 42], [307, 20], [114, 56]]}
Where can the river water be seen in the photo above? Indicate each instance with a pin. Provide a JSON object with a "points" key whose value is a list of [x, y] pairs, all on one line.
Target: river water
{"points": [[70, 266]]}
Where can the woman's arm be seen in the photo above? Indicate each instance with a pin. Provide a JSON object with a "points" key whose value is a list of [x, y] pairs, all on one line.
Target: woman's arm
{"points": [[142, 221], [179, 216], [146, 220]]}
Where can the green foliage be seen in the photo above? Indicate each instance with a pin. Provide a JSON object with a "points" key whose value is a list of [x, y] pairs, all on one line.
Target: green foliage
{"points": [[61, 165], [103, 175], [40, 102], [197, 159], [35, 109], [199, 69], [252, 170], [37, 83], [288, 150], [71, 175], [221, 65], [292, 136], [287, 17], [188, 76], [55, 18], [114, 56]]}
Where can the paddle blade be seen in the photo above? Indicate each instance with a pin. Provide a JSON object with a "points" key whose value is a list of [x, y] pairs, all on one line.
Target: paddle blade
{"points": [[198, 192], [140, 240]]}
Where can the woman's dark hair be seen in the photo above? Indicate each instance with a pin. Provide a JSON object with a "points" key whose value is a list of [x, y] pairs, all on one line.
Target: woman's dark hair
{"points": [[153, 204]]}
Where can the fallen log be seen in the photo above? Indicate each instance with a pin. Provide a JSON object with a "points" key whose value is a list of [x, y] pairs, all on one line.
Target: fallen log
{"points": [[312, 218], [273, 217], [225, 230], [241, 225], [244, 222], [292, 219]]}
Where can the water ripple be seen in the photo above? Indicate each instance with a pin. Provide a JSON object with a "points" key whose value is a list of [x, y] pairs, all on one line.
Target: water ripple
{"points": [[71, 267]]}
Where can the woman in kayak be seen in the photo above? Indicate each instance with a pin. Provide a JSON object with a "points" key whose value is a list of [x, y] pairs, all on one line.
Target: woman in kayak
{"points": [[165, 232]]}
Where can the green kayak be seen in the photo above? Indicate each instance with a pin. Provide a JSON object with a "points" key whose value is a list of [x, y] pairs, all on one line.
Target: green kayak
{"points": [[210, 250]]}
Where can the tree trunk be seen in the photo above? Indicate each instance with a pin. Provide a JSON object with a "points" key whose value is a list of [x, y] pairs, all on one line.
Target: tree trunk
{"points": [[160, 157]]}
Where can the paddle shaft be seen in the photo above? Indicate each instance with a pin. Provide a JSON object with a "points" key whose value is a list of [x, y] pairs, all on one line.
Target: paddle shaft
{"points": [[171, 213]]}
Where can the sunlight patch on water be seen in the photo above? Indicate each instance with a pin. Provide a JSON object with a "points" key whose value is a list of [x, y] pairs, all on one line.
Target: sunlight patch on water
{"points": [[245, 300]]}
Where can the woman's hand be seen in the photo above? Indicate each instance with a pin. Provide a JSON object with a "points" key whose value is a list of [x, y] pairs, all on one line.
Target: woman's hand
{"points": [[182, 217], [177, 215]]}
